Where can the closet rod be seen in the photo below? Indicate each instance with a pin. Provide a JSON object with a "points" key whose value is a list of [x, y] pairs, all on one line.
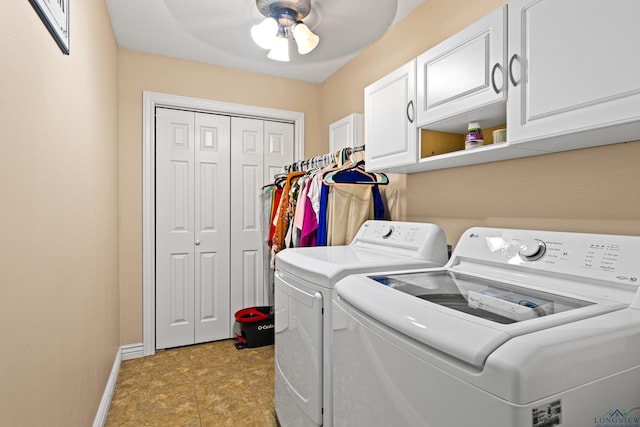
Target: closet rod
{"points": [[321, 161]]}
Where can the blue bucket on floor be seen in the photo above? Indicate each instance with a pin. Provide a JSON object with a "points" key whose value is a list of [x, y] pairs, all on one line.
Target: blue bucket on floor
{"points": [[254, 327]]}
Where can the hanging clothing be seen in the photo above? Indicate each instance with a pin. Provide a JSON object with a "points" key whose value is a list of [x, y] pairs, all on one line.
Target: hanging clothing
{"points": [[309, 232], [266, 200], [321, 239], [314, 192], [301, 207], [312, 212], [350, 205], [284, 214], [277, 194]]}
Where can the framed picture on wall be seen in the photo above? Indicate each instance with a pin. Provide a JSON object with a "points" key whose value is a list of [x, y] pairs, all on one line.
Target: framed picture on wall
{"points": [[55, 15]]}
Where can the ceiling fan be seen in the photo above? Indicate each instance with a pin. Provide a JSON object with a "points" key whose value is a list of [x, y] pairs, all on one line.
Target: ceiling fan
{"points": [[283, 17]]}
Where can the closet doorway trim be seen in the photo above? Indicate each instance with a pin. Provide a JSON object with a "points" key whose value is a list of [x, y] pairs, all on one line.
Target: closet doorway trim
{"points": [[151, 100]]}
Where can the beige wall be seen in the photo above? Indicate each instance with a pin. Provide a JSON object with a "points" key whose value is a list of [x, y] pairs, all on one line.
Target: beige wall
{"points": [[140, 72], [58, 216], [591, 190]]}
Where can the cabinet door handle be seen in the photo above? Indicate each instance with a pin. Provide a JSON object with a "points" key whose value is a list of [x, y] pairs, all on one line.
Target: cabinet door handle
{"points": [[513, 58], [410, 109], [493, 77]]}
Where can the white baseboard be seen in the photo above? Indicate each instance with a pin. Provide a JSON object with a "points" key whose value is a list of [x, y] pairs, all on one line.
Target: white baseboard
{"points": [[132, 351], [103, 409], [125, 352]]}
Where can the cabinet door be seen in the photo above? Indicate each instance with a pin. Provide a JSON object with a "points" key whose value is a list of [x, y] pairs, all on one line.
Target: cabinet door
{"points": [[389, 119], [464, 72], [573, 67], [346, 132]]}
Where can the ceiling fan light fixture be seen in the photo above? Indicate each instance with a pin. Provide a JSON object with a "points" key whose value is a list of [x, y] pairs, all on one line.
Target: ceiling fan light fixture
{"points": [[305, 39], [280, 47], [284, 17], [264, 33]]}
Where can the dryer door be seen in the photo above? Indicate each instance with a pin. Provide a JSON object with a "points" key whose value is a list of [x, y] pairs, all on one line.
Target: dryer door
{"points": [[298, 352]]}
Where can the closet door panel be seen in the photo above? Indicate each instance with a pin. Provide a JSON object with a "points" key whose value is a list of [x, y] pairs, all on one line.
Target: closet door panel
{"points": [[180, 289], [207, 305], [174, 228], [250, 238], [278, 148], [251, 279], [247, 158], [278, 153], [212, 222]]}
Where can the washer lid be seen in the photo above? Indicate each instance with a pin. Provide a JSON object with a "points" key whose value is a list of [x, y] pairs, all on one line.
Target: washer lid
{"points": [[430, 310], [481, 297], [325, 265]]}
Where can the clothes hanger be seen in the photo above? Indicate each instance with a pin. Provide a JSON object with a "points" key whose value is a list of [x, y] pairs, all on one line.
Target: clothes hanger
{"points": [[333, 177], [279, 179], [351, 164], [381, 178]]}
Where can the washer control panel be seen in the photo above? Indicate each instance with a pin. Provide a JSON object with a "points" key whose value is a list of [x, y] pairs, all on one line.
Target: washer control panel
{"points": [[593, 256], [532, 250]]}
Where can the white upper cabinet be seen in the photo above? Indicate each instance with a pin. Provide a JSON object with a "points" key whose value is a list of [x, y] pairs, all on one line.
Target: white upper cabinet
{"points": [[464, 73], [346, 132], [570, 79], [389, 119], [574, 68]]}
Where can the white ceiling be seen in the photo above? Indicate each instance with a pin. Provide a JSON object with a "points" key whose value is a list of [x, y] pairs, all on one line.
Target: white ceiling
{"points": [[218, 32]]}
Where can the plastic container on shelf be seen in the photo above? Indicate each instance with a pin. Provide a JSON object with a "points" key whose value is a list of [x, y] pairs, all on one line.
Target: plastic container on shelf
{"points": [[474, 137], [499, 136]]}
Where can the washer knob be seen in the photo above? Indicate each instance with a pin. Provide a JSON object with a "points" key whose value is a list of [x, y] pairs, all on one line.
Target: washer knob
{"points": [[532, 250], [386, 231]]}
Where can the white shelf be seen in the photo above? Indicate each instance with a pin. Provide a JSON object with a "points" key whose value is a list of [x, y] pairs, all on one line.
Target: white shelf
{"points": [[483, 154]]}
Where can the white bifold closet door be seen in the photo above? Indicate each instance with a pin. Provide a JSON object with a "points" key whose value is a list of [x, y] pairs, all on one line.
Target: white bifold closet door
{"points": [[192, 227], [259, 150], [209, 249]]}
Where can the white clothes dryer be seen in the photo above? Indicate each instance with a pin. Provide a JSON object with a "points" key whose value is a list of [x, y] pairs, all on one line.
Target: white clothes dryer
{"points": [[521, 328], [304, 282]]}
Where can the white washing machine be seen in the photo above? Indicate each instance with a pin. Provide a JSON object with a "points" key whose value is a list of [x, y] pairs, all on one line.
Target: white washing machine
{"points": [[520, 329], [304, 282]]}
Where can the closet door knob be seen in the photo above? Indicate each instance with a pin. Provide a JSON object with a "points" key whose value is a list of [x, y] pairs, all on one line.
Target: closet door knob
{"points": [[197, 242]]}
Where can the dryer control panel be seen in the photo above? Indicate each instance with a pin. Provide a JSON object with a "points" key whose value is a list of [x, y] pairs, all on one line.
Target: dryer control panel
{"points": [[413, 239]]}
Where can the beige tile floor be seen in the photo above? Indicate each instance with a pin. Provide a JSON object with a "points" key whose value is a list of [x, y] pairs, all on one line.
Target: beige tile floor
{"points": [[206, 385]]}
